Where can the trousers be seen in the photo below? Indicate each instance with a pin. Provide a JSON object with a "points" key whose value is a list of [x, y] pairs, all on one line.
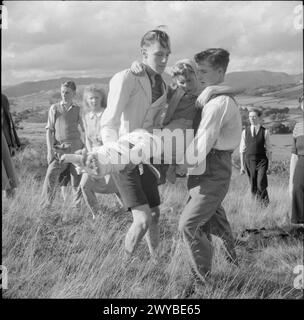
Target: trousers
{"points": [[204, 214]]}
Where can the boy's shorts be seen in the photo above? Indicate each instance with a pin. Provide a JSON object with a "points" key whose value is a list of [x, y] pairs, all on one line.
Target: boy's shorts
{"points": [[136, 189]]}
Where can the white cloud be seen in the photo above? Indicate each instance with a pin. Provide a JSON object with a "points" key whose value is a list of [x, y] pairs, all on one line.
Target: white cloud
{"points": [[48, 38]]}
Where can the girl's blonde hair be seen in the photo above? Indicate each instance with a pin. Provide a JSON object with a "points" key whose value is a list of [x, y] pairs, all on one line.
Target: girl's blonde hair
{"points": [[183, 67], [93, 88]]}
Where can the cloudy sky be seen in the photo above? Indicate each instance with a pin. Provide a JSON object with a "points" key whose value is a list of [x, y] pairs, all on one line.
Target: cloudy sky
{"points": [[50, 39]]}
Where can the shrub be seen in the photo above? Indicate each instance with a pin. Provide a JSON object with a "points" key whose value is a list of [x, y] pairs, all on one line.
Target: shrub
{"points": [[18, 117], [279, 128]]}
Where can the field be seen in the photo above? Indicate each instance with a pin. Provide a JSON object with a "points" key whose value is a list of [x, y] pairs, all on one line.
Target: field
{"points": [[268, 101], [82, 258], [47, 258]]}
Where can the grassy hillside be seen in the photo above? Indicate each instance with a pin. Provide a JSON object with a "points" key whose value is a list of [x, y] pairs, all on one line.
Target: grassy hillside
{"points": [[290, 93], [81, 258], [30, 87], [48, 258], [260, 78], [249, 79]]}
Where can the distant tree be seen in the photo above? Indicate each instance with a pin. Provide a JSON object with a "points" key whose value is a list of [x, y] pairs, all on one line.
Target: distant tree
{"points": [[279, 128], [268, 112], [282, 116], [286, 110], [244, 117], [273, 116], [18, 117]]}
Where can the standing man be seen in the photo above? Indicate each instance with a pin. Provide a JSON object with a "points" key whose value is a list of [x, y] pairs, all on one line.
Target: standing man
{"points": [[62, 136], [255, 154], [129, 99], [217, 135]]}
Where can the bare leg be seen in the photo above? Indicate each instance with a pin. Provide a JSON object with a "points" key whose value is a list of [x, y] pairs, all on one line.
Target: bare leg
{"points": [[64, 192], [141, 222], [119, 200], [152, 235], [171, 173]]}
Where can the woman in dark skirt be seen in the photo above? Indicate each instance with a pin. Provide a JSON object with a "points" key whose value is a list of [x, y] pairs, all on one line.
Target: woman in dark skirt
{"points": [[296, 182]]}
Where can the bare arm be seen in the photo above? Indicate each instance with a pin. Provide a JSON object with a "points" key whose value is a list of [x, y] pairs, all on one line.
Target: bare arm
{"points": [[293, 162], [232, 90], [50, 130], [49, 144], [242, 153], [88, 144], [210, 91]]}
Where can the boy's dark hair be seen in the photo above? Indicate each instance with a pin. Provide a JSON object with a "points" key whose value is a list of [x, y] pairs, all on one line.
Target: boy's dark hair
{"points": [[69, 84], [155, 35], [216, 57], [258, 111]]}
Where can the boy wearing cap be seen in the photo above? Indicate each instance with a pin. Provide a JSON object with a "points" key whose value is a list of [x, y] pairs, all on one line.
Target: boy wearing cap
{"points": [[62, 136]]}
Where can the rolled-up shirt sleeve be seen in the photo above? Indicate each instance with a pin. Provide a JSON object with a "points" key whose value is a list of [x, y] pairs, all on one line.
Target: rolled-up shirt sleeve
{"points": [[243, 143], [268, 146], [51, 119], [120, 89]]}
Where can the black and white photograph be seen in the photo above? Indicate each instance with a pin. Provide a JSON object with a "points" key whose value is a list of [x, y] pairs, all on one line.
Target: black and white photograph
{"points": [[152, 150]]}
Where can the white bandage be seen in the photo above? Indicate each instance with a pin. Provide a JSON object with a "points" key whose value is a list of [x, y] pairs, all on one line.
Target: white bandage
{"points": [[114, 156]]}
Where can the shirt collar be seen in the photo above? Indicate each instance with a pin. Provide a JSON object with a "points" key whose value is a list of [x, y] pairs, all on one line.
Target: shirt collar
{"points": [[151, 74], [92, 114], [64, 108], [258, 126]]}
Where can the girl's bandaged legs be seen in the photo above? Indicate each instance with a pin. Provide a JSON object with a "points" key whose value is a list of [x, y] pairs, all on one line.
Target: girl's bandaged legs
{"points": [[136, 147]]}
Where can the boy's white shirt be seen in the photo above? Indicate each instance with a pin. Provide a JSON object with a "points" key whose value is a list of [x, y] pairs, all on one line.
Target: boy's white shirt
{"points": [[220, 128]]}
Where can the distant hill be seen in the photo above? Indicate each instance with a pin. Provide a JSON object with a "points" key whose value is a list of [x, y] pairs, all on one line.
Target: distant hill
{"points": [[261, 78], [288, 93], [26, 88], [249, 79]]}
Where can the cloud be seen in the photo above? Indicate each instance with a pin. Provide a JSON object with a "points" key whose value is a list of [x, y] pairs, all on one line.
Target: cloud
{"points": [[55, 38]]}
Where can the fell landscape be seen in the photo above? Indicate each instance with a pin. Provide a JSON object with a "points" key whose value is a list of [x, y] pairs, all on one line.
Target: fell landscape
{"points": [[82, 258]]}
